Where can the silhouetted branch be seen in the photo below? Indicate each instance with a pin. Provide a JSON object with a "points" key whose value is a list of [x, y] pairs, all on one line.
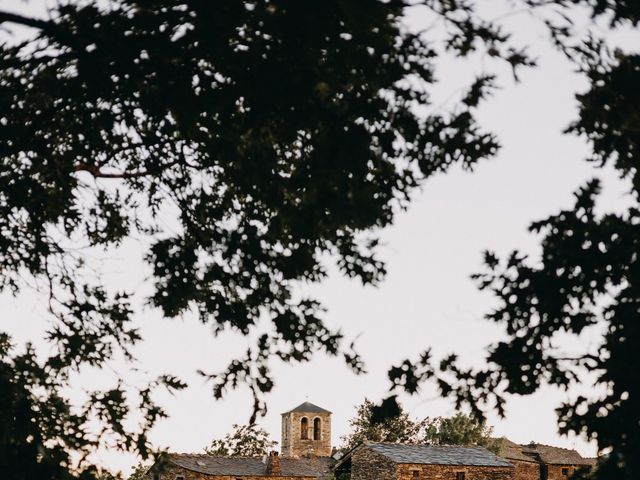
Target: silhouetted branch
{"points": [[45, 26]]}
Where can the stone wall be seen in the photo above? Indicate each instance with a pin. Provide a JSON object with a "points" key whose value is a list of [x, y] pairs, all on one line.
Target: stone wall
{"points": [[449, 472], [171, 472], [369, 465], [293, 445], [526, 470], [554, 472]]}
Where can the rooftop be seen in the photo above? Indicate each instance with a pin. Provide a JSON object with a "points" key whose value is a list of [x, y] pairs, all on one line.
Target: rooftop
{"points": [[439, 455], [512, 451], [535, 452], [556, 455], [249, 466], [307, 407]]}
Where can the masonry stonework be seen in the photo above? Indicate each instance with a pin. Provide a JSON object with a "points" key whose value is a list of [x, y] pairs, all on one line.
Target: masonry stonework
{"points": [[526, 470], [316, 441], [306, 454], [555, 472], [368, 465], [449, 472], [173, 473]]}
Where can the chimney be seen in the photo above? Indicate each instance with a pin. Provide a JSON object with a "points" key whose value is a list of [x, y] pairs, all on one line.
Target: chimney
{"points": [[273, 464]]}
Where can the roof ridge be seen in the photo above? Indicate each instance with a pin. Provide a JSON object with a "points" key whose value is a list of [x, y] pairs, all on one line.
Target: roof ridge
{"points": [[471, 455], [208, 455], [308, 407], [421, 444], [550, 446]]}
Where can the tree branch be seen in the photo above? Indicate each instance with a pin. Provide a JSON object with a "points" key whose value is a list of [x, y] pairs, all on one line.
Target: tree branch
{"points": [[48, 27], [29, 22], [98, 173]]}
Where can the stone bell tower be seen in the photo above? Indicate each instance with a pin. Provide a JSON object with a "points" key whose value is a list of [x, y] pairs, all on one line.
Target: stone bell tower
{"points": [[306, 432]]}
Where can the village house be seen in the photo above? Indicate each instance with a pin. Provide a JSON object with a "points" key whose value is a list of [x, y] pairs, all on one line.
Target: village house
{"points": [[389, 461], [209, 467], [306, 454], [543, 462]]}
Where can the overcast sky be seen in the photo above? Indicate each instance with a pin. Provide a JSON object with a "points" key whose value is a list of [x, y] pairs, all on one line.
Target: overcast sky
{"points": [[427, 300]]}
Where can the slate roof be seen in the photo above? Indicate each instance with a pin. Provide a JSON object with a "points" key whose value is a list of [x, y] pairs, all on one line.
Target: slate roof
{"points": [[512, 451], [249, 466], [556, 455], [308, 407], [439, 455]]}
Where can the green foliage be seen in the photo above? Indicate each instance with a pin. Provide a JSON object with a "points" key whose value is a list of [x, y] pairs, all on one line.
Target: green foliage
{"points": [[34, 412], [460, 429], [587, 277], [399, 428], [241, 142], [268, 134], [243, 441], [139, 472]]}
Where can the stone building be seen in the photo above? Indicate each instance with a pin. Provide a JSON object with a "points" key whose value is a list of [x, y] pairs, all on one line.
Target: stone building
{"points": [[209, 467], [526, 466], [388, 461], [543, 462], [306, 450], [306, 455], [306, 431]]}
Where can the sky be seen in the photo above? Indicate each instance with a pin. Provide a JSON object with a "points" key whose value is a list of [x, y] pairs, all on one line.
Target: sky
{"points": [[427, 299]]}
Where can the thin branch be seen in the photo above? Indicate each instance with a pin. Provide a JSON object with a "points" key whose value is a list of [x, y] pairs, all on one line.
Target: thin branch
{"points": [[98, 173], [29, 22], [50, 28]]}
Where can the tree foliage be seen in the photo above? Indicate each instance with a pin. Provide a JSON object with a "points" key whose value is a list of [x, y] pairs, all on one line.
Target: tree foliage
{"points": [[399, 428], [460, 429], [242, 142], [139, 472], [587, 277], [243, 441]]}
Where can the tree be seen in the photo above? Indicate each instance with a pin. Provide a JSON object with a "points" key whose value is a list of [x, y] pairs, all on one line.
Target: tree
{"points": [[460, 429], [139, 472], [586, 277], [399, 428], [134, 118], [243, 441], [119, 118]]}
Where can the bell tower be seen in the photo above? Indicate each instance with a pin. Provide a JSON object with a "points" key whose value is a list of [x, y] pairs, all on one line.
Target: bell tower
{"points": [[306, 431]]}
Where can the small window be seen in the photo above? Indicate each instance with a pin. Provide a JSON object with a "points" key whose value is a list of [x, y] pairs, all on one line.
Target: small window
{"points": [[179, 477], [317, 429], [415, 474], [565, 472], [459, 475], [304, 428]]}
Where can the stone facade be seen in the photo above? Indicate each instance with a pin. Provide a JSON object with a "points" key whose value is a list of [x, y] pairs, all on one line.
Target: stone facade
{"points": [[306, 434], [450, 472], [542, 462], [526, 470], [560, 472], [306, 451], [367, 465], [177, 473], [186, 466], [364, 463]]}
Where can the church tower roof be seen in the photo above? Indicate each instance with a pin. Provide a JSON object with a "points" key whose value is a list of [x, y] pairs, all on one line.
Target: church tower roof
{"points": [[308, 407]]}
